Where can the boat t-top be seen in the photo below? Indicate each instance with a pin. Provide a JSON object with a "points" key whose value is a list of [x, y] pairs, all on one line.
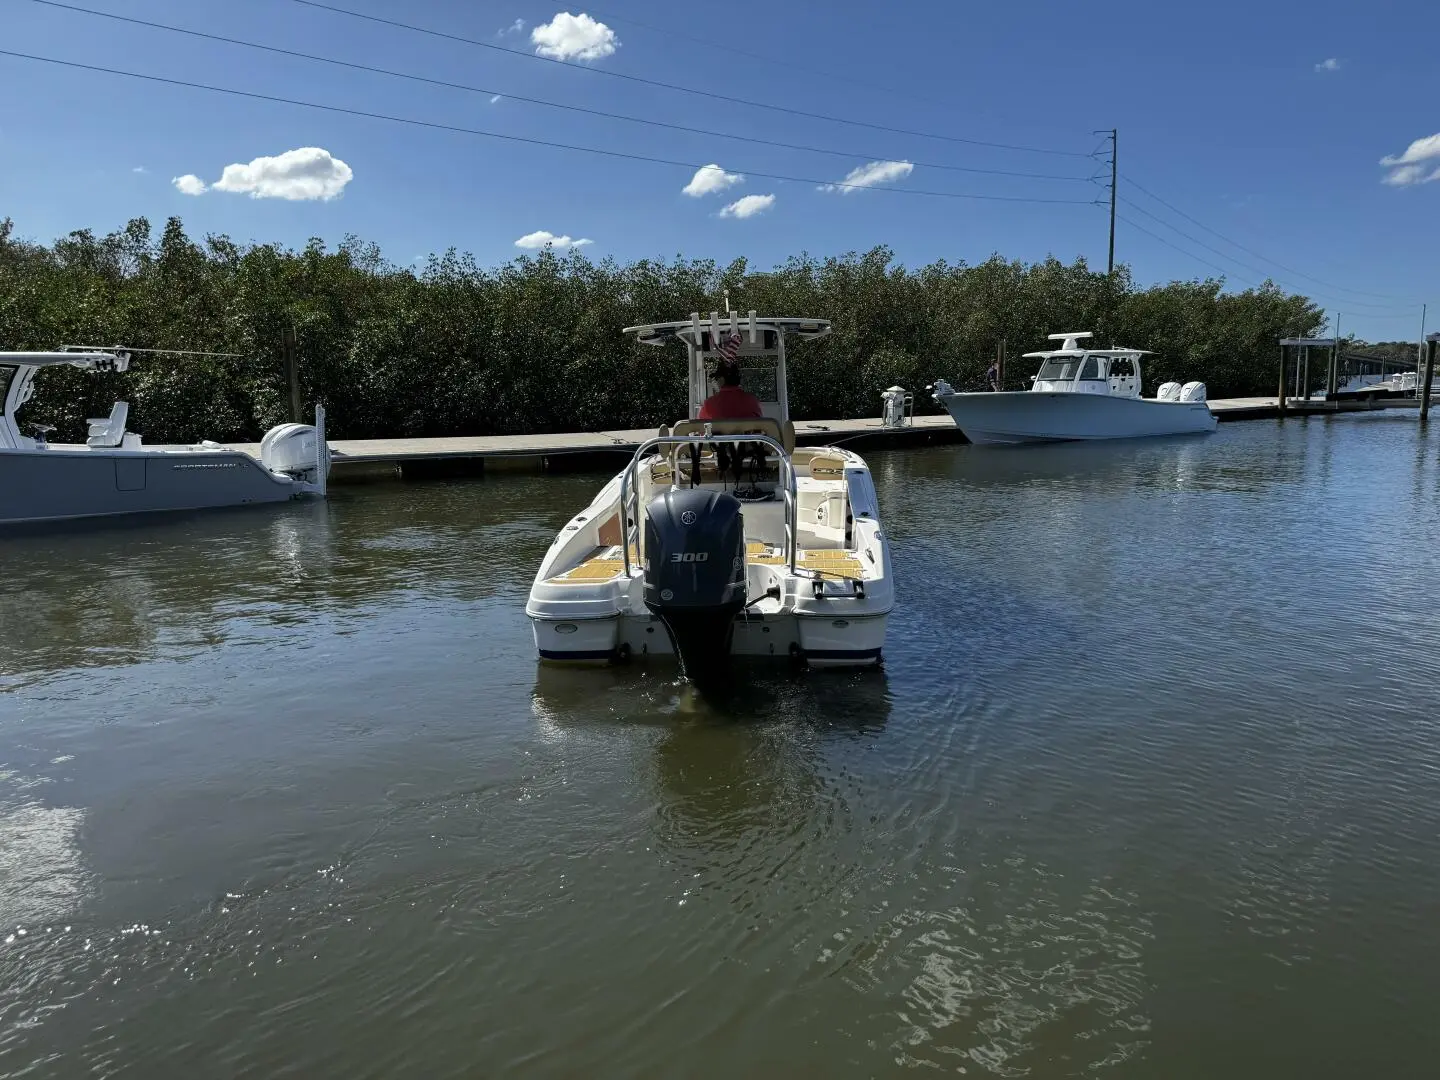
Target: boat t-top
{"points": [[113, 472], [720, 537], [1079, 393]]}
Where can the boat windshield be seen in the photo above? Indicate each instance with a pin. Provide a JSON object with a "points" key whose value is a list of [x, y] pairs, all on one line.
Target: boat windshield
{"points": [[1059, 369]]}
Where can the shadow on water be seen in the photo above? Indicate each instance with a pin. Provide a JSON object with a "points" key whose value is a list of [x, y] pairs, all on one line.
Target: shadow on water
{"points": [[722, 765], [759, 693]]}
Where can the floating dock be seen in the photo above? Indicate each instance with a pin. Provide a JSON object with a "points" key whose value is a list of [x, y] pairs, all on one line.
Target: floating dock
{"points": [[359, 459]]}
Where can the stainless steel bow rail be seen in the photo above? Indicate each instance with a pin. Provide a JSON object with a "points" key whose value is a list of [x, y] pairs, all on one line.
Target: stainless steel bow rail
{"points": [[629, 493]]}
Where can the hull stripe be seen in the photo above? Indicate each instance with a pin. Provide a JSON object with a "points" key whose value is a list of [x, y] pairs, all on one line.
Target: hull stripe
{"points": [[842, 654]]}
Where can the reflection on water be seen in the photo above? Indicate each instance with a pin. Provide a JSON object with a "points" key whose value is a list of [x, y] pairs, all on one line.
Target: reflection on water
{"points": [[1153, 756], [41, 877]]}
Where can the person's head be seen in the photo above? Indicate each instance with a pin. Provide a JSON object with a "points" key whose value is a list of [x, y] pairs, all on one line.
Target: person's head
{"points": [[728, 374]]}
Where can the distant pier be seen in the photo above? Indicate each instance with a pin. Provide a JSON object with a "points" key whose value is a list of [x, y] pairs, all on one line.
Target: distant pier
{"points": [[360, 459]]}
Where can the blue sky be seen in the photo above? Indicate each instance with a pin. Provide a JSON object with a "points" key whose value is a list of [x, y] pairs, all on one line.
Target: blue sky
{"points": [[1264, 122]]}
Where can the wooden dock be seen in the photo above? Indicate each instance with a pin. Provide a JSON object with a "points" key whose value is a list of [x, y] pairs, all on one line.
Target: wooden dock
{"points": [[359, 459]]}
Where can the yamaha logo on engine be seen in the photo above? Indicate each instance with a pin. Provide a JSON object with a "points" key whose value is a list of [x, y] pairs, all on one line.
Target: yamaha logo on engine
{"points": [[687, 518]]}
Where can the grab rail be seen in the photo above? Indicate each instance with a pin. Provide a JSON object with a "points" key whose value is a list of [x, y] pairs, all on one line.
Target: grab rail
{"points": [[787, 472]]}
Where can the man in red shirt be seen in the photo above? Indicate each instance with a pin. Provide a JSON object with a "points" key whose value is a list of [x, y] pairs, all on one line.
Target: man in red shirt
{"points": [[730, 402]]}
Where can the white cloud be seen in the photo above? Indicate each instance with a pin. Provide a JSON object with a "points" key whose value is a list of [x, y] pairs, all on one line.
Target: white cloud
{"points": [[536, 240], [306, 173], [517, 27], [495, 100], [877, 172], [1411, 174], [748, 206], [574, 37], [139, 169], [1330, 64], [1414, 166], [189, 184], [709, 179]]}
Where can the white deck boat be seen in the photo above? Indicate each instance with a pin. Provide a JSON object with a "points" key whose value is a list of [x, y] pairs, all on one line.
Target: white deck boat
{"points": [[1079, 393], [113, 472], [683, 553]]}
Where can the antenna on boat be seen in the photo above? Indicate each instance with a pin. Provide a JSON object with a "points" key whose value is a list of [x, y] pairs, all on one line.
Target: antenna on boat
{"points": [[727, 301]]}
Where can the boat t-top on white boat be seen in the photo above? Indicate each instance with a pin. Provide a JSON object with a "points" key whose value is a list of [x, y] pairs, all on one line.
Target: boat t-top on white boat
{"points": [[113, 472], [1079, 393], [721, 538]]}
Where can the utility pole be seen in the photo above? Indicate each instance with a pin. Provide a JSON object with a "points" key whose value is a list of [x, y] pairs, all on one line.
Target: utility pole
{"points": [[1114, 175]]}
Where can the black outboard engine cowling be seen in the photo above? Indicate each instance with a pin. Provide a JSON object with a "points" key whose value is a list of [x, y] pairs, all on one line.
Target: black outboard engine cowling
{"points": [[695, 575]]}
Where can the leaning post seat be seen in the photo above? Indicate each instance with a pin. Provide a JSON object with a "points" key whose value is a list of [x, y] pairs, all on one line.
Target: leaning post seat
{"points": [[109, 432], [784, 434]]}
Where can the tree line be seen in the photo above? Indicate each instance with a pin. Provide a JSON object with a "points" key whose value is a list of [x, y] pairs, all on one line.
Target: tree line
{"points": [[454, 348]]}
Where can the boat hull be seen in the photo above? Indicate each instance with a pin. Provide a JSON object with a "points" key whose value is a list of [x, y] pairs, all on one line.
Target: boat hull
{"points": [[829, 610], [820, 640], [1030, 416], [64, 484]]}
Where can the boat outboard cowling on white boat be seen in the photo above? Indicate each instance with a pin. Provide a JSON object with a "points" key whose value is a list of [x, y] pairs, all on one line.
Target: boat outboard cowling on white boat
{"points": [[695, 574], [297, 450]]}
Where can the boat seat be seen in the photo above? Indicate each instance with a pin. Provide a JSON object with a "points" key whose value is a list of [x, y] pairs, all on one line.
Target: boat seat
{"points": [[784, 434], [110, 431], [827, 467]]}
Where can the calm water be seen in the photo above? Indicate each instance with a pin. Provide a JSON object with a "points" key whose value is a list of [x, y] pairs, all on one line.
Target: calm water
{"points": [[1150, 786]]}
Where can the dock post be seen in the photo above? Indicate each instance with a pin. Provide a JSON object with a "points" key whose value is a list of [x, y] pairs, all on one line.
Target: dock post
{"points": [[1430, 343], [292, 372], [1332, 384], [1280, 397], [1305, 370]]}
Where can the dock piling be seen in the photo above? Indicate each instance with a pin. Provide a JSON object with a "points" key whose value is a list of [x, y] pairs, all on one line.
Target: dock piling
{"points": [[1280, 394], [292, 372], [1430, 343]]}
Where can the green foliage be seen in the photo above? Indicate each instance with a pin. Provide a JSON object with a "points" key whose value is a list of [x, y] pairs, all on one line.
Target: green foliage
{"points": [[535, 345]]}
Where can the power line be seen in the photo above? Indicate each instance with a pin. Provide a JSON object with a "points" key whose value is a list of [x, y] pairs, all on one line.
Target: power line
{"points": [[789, 65], [1251, 251], [1156, 236], [538, 101], [1228, 273], [436, 126], [683, 89], [1253, 269]]}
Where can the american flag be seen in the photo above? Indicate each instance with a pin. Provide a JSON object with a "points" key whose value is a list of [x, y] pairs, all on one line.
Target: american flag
{"points": [[729, 347]]}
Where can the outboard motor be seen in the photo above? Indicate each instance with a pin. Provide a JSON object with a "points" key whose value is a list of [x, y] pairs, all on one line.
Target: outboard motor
{"points": [[1192, 391], [296, 451], [695, 575]]}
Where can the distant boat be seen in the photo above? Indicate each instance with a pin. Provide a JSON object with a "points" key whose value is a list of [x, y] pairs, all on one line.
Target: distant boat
{"points": [[1402, 384], [1078, 393], [114, 473]]}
